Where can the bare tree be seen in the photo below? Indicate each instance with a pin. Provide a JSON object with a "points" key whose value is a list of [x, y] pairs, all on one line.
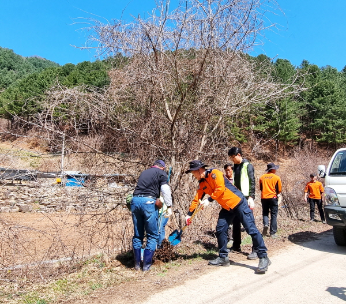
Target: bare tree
{"points": [[185, 71], [180, 75]]}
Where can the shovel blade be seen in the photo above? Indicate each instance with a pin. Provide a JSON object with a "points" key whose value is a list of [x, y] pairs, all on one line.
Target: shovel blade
{"points": [[176, 241], [175, 237]]}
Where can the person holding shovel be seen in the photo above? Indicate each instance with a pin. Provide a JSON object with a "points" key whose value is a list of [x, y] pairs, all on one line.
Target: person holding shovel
{"points": [[313, 193], [233, 203], [145, 207]]}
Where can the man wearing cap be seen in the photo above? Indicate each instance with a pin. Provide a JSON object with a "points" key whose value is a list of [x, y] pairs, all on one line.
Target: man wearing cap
{"points": [[313, 194], [270, 185], [144, 207], [233, 203], [244, 180]]}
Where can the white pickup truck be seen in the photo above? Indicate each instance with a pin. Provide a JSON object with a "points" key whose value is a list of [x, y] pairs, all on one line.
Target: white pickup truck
{"points": [[335, 194]]}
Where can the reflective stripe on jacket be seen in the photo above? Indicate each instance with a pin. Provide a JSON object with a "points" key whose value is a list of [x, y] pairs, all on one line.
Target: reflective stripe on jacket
{"points": [[244, 180], [219, 188]]}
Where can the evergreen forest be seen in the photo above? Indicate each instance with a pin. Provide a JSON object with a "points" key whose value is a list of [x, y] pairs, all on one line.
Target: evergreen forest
{"points": [[318, 113]]}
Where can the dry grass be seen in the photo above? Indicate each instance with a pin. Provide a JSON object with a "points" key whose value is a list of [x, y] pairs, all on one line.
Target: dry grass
{"points": [[103, 274], [49, 258]]}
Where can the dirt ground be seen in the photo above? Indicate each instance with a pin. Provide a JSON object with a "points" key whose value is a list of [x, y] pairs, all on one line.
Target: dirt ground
{"points": [[104, 279], [28, 238], [171, 274]]}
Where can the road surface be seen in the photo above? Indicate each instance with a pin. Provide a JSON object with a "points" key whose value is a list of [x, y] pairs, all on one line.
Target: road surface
{"points": [[310, 272]]}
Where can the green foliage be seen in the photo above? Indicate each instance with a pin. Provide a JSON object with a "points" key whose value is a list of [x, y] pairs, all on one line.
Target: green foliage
{"points": [[279, 120], [325, 104], [236, 129], [319, 112], [89, 73], [329, 105], [22, 98], [284, 71], [33, 298], [14, 67]]}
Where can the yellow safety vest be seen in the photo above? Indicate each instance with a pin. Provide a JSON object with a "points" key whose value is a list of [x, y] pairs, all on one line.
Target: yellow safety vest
{"points": [[244, 180]]}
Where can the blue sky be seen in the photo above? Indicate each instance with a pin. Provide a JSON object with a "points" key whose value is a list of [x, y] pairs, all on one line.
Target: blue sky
{"points": [[314, 30]]}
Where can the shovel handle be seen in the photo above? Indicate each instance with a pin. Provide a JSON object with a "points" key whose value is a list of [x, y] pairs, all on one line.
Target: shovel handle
{"points": [[199, 208]]}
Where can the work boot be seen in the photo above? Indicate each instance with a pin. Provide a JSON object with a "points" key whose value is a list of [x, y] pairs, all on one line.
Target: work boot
{"points": [[219, 261], [274, 236], [265, 231], [263, 265], [137, 258], [252, 256], [147, 259]]}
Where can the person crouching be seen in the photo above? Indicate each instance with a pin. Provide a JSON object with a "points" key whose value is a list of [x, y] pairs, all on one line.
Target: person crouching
{"points": [[144, 207]]}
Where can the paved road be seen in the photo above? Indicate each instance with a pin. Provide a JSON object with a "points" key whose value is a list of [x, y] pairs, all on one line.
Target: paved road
{"points": [[311, 272]]}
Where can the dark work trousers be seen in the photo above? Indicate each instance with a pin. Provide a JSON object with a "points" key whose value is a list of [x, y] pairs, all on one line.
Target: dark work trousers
{"points": [[270, 204], [234, 233], [312, 202], [246, 218]]}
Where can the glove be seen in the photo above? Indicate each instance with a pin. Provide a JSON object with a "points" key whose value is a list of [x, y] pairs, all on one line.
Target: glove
{"points": [[129, 200], [168, 212], [204, 203], [279, 199], [251, 203], [188, 220], [158, 204]]}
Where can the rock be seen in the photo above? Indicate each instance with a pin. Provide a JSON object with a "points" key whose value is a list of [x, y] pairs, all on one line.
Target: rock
{"points": [[14, 209], [5, 209], [70, 209], [24, 208]]}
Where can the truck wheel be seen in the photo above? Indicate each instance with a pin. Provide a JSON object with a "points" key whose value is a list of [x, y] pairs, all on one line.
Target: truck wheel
{"points": [[339, 235]]}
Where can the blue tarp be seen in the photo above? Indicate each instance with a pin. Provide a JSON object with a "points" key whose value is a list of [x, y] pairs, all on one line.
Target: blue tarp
{"points": [[76, 180]]}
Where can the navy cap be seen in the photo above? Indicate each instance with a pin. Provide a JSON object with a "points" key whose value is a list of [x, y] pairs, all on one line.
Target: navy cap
{"points": [[195, 165], [160, 163], [271, 166]]}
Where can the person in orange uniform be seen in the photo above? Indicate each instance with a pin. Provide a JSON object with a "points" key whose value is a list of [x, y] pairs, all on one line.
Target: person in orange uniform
{"points": [[270, 185], [233, 203], [313, 192]]}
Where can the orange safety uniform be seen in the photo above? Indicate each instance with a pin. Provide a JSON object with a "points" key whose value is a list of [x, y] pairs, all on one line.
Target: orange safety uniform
{"points": [[315, 189], [219, 188], [270, 185]]}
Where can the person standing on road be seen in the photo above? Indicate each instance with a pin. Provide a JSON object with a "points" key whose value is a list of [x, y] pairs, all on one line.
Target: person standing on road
{"points": [[244, 180], [144, 207], [270, 185], [233, 203], [313, 193]]}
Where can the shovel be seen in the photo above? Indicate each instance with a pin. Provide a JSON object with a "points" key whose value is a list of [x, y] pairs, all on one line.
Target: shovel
{"points": [[175, 237]]}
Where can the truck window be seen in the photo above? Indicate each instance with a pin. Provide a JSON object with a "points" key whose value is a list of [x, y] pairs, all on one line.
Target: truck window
{"points": [[338, 166]]}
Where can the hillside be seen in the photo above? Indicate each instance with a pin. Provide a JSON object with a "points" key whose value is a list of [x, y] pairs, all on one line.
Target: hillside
{"points": [[14, 67]]}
